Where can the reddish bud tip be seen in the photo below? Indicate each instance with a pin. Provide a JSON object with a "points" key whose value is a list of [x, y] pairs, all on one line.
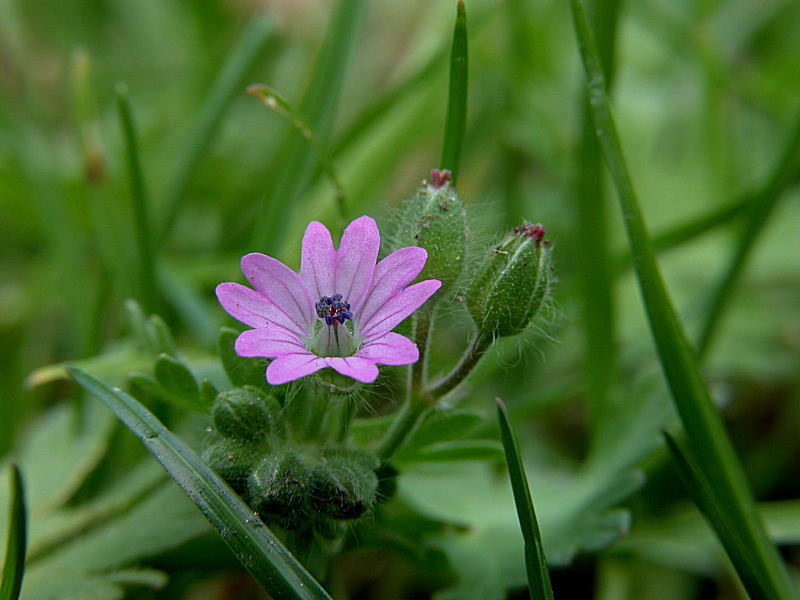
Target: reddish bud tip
{"points": [[530, 230], [439, 178]]}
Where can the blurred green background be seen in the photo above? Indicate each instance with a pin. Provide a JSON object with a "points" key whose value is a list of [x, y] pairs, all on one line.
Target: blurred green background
{"points": [[705, 93]]}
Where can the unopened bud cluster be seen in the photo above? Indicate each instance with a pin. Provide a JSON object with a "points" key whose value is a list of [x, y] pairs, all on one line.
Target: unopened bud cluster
{"points": [[294, 488], [512, 282]]}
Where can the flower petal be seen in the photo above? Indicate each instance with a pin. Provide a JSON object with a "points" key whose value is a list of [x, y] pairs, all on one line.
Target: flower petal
{"points": [[355, 260], [398, 308], [270, 343], [362, 369], [390, 349], [391, 275], [293, 366], [253, 309], [318, 261], [281, 286]]}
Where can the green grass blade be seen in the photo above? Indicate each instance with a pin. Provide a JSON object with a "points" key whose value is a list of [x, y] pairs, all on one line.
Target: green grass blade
{"points": [[457, 97], [250, 47], [707, 437], [295, 165], [14, 566], [592, 243], [703, 495], [255, 546], [535, 561], [147, 288], [274, 101], [758, 214]]}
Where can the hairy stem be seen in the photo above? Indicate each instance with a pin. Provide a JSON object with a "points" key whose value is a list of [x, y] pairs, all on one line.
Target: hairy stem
{"points": [[461, 370]]}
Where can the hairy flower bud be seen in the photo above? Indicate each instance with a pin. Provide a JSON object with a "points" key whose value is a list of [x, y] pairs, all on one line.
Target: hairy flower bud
{"points": [[277, 488], [243, 414], [231, 459], [512, 283], [435, 219], [344, 484]]}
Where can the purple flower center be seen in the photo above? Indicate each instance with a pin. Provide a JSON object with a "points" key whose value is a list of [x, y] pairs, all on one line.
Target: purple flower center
{"points": [[333, 309]]}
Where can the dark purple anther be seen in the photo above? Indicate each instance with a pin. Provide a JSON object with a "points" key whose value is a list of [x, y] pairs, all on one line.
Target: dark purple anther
{"points": [[439, 178], [334, 310]]}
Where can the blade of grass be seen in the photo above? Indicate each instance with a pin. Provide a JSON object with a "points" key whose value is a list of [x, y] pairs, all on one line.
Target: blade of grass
{"points": [[248, 50], [592, 243], [147, 289], [456, 121], [391, 97], [701, 492], [758, 213], [14, 565], [273, 566], [535, 561], [274, 101], [706, 434], [294, 166]]}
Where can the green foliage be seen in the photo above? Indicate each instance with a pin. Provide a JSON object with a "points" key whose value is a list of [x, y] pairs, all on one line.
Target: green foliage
{"points": [[16, 544], [535, 561], [90, 550], [254, 545], [456, 122], [162, 208], [757, 562]]}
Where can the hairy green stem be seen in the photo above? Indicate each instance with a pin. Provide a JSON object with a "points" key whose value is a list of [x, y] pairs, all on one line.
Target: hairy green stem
{"points": [[414, 404], [406, 419], [462, 369]]}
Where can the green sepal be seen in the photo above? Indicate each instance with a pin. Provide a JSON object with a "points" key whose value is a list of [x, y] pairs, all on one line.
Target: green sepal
{"points": [[512, 283], [336, 383]]}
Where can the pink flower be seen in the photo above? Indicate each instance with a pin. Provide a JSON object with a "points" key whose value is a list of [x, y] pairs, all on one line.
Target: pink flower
{"points": [[339, 311]]}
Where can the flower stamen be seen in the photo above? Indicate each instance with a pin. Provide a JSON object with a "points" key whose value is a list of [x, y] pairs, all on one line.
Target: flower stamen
{"points": [[334, 310]]}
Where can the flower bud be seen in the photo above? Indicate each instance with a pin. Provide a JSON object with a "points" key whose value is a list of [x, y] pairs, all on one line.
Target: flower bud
{"points": [[512, 283], [242, 414], [435, 219], [278, 487], [344, 485], [231, 459]]}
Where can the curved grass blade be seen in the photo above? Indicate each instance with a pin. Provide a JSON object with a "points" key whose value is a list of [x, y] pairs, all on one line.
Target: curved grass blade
{"points": [[14, 566], [535, 561], [147, 288], [706, 434], [457, 97], [254, 545], [274, 101], [228, 83], [294, 167]]}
